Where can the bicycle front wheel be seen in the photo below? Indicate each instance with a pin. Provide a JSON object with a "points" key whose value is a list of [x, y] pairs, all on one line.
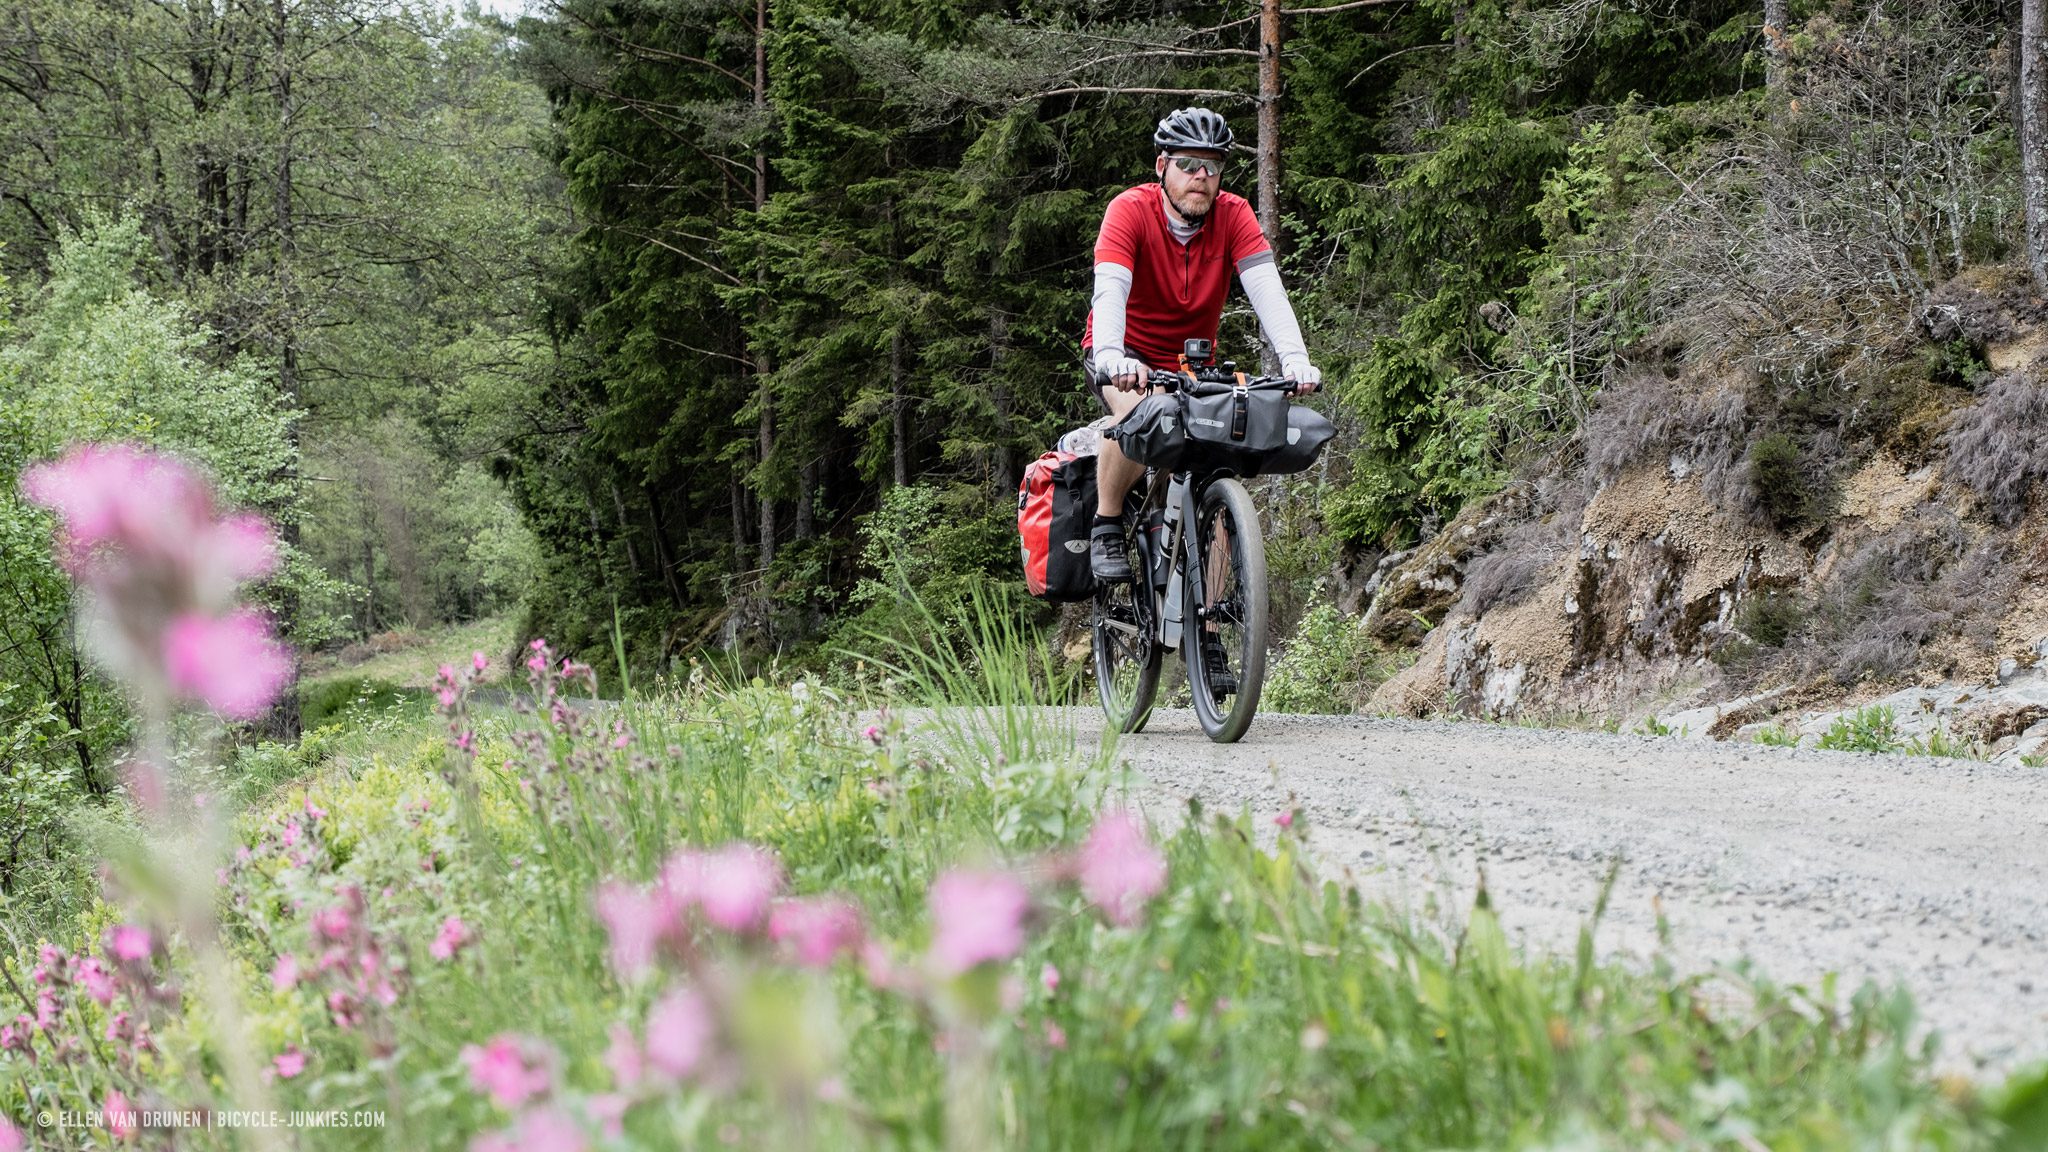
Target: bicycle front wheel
{"points": [[1225, 641], [1125, 639]]}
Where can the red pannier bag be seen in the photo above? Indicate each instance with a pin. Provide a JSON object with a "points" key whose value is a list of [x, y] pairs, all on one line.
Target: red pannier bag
{"points": [[1055, 511]]}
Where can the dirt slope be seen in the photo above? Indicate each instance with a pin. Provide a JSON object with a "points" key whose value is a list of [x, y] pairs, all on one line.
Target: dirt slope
{"points": [[1929, 872]]}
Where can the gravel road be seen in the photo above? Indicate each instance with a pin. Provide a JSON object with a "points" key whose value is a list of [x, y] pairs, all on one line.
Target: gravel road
{"points": [[1933, 873]]}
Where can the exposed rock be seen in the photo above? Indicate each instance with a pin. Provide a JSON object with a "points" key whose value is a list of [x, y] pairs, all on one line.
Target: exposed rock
{"points": [[1413, 591]]}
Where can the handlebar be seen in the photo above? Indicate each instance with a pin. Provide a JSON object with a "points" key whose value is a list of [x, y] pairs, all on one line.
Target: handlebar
{"points": [[1179, 381]]}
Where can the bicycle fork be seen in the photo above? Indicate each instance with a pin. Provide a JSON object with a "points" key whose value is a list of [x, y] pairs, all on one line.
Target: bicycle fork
{"points": [[1180, 513]]}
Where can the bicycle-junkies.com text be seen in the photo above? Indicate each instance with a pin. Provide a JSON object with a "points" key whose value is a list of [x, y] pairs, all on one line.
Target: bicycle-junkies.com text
{"points": [[163, 1119]]}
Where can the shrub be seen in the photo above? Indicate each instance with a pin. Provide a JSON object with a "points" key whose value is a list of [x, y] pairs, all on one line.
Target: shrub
{"points": [[1328, 665], [1785, 489], [1998, 447], [1874, 729], [1770, 619]]}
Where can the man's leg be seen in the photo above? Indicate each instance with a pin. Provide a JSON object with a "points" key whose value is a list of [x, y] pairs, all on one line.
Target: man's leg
{"points": [[1114, 475]]}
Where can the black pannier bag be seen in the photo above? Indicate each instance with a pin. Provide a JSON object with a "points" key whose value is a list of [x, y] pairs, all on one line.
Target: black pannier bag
{"points": [[1154, 433]]}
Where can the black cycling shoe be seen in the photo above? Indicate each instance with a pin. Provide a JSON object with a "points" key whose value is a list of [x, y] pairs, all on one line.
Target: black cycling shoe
{"points": [[1216, 666], [1107, 556]]}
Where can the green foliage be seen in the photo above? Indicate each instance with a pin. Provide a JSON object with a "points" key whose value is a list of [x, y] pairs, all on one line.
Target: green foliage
{"points": [[1777, 736], [1328, 665], [1873, 729], [1781, 479], [327, 700], [1402, 1034], [1940, 743], [1770, 618]]}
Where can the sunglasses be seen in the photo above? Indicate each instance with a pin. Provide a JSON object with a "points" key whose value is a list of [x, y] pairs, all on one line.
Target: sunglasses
{"points": [[1197, 166]]}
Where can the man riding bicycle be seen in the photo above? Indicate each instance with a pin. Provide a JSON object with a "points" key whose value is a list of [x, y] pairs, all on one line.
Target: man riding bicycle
{"points": [[1162, 269]]}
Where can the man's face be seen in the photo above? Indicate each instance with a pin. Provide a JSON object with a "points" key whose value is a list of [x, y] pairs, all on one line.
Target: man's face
{"points": [[1192, 194]]}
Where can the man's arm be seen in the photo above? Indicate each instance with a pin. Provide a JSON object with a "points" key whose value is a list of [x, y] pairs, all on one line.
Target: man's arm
{"points": [[1112, 295], [1261, 280]]}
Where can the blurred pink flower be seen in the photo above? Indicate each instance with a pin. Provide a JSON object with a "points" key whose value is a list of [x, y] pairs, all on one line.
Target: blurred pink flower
{"points": [[1049, 977], [977, 917], [479, 661], [817, 929], [231, 553], [290, 1062], [98, 982], [1055, 1036], [609, 1110], [738, 882], [128, 942], [232, 662], [872, 733], [120, 494], [453, 937], [682, 879], [511, 1069], [120, 1115], [1119, 868], [1285, 819], [284, 975], [11, 1139], [335, 922], [624, 1058], [636, 918], [679, 1032], [551, 1130]]}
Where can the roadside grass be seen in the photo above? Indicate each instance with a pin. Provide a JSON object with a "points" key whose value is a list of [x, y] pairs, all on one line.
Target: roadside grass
{"points": [[1253, 1006], [409, 658]]}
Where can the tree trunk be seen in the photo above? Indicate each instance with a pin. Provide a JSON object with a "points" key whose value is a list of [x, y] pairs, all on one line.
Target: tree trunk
{"points": [[284, 719], [1775, 15], [1461, 48], [2034, 135], [1002, 468], [762, 365], [899, 419], [803, 527], [1269, 121]]}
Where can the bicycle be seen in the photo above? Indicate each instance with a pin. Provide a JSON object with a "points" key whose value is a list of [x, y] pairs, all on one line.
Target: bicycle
{"points": [[1195, 539]]}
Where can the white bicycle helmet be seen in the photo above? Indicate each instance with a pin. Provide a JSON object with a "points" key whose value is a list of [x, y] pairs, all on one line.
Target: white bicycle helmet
{"points": [[1193, 128]]}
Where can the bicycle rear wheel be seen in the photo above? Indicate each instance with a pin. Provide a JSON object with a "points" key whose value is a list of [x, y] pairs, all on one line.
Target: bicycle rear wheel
{"points": [[1225, 641], [1125, 639]]}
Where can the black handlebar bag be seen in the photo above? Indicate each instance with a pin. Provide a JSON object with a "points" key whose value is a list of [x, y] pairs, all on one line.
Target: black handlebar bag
{"points": [[1240, 420], [1307, 431]]}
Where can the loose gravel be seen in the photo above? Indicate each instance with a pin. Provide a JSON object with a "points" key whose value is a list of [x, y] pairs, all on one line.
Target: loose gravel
{"points": [[1931, 873]]}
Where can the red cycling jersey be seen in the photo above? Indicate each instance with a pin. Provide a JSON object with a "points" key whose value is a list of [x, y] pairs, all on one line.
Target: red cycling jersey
{"points": [[1177, 289]]}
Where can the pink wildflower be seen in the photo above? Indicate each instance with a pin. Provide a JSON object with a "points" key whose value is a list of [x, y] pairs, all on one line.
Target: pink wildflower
{"points": [[872, 733], [738, 882], [817, 929], [479, 661], [98, 982], [11, 1139], [120, 1115], [233, 551], [128, 942], [1120, 869], [290, 1062], [284, 975], [608, 1109], [636, 918], [453, 937], [335, 922], [1055, 1036], [1285, 819], [977, 917], [679, 1032], [1049, 977], [119, 494], [624, 1058], [510, 1069], [551, 1130], [232, 662]]}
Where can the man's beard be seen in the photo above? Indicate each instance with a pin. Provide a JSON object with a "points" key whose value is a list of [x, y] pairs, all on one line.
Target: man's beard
{"points": [[1191, 215]]}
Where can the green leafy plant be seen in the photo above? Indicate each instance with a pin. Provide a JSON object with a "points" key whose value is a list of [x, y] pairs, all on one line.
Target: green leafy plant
{"points": [[1872, 729], [1777, 736]]}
